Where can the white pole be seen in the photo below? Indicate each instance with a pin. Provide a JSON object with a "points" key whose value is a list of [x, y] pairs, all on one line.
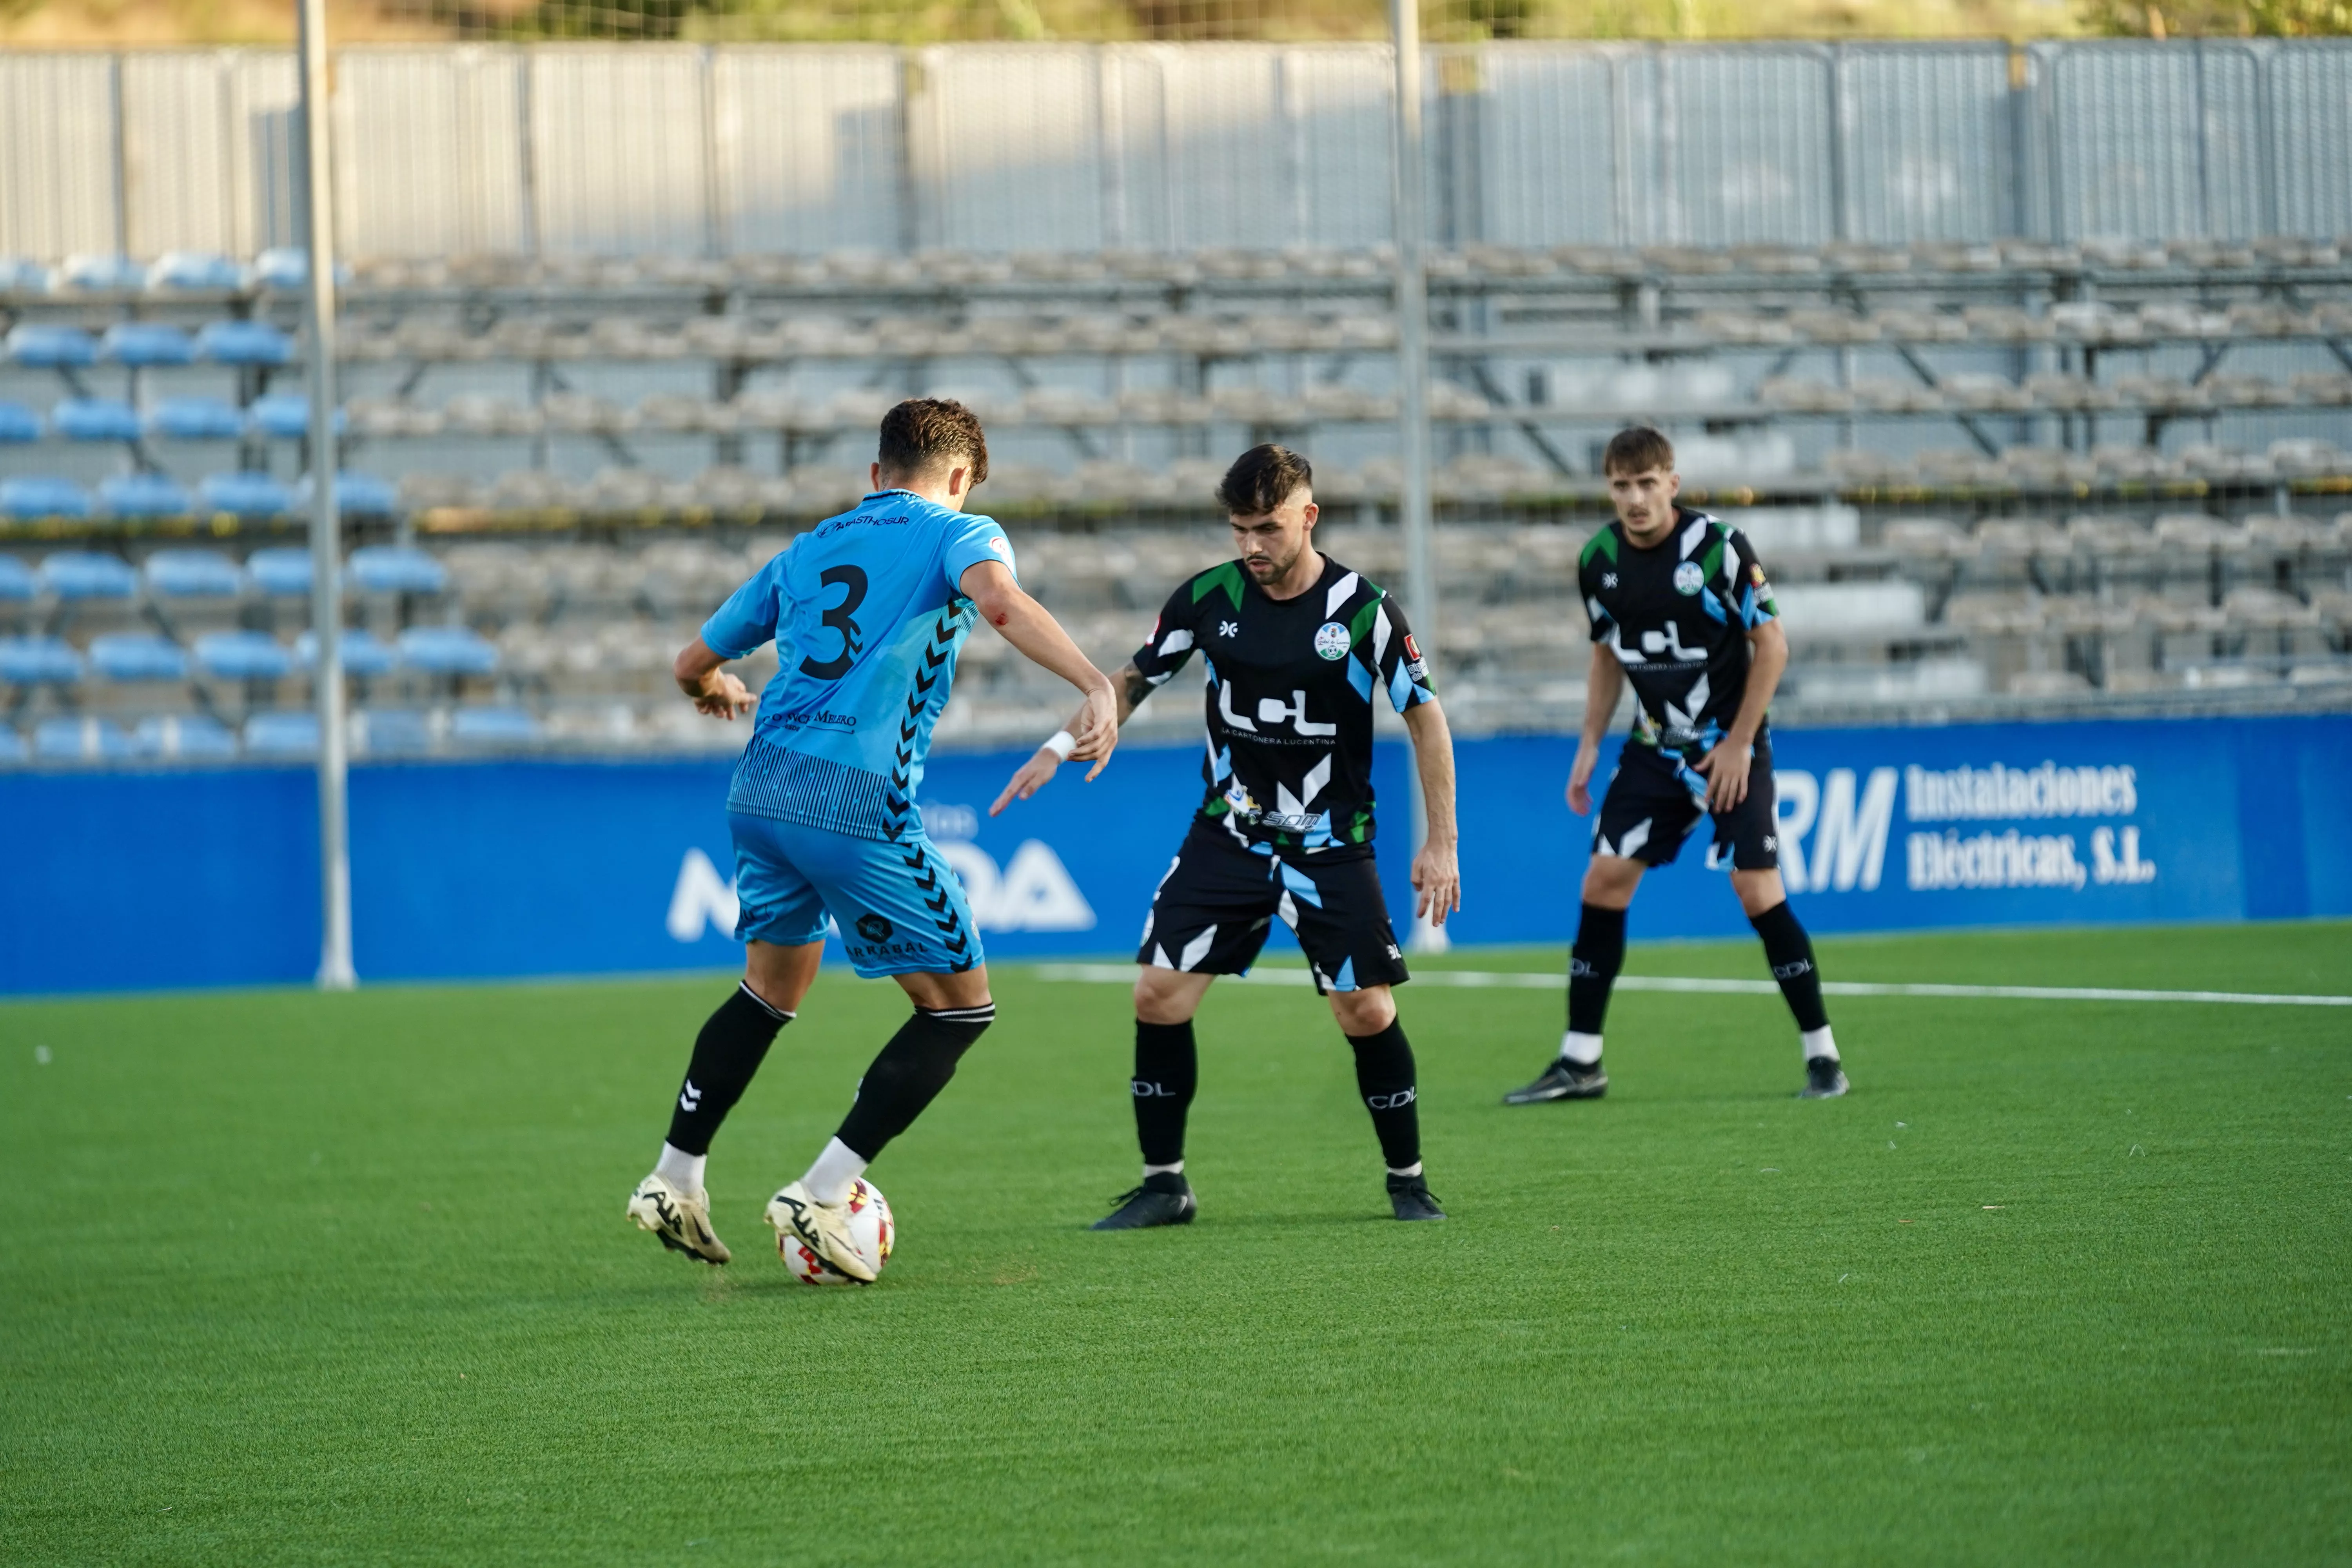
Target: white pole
{"points": [[335, 971], [1412, 373]]}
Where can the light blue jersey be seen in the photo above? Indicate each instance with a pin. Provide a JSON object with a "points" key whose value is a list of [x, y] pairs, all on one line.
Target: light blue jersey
{"points": [[868, 617]]}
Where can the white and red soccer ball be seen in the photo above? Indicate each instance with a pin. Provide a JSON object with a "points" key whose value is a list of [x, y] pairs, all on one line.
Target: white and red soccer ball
{"points": [[871, 1229]]}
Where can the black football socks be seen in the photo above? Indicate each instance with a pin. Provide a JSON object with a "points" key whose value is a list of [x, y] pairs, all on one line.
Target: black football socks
{"points": [[1790, 952], [1384, 1075], [1592, 965], [1167, 1070], [910, 1073], [732, 1045]]}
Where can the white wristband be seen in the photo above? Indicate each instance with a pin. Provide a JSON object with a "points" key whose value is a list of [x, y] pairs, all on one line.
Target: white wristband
{"points": [[1062, 744]]}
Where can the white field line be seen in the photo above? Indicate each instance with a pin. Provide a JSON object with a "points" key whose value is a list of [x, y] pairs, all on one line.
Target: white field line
{"points": [[1485, 978]]}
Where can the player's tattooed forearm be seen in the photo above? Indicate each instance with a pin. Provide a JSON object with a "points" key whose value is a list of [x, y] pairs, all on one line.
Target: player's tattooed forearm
{"points": [[1132, 681]]}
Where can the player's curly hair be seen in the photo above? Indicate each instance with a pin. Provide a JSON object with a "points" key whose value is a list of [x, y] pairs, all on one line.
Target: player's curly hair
{"points": [[924, 432], [1261, 478], [1637, 449]]}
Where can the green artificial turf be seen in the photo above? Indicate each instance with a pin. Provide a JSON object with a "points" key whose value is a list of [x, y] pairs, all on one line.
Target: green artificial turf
{"points": [[324, 1279]]}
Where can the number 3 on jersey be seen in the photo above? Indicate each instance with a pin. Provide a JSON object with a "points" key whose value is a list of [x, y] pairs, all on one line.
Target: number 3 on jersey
{"points": [[852, 581]]}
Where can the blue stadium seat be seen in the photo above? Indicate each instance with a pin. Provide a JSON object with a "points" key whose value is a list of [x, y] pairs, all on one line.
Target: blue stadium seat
{"points": [[244, 495], [193, 574], [49, 347], [86, 739], [143, 495], [242, 656], [243, 342], [38, 661], [493, 727], [138, 655], [283, 267], [396, 569], [19, 423], [363, 653], [282, 735], [88, 575], [282, 574], [195, 419], [146, 344], [195, 271], [101, 274], [95, 419], [16, 579], [394, 731], [286, 416], [182, 735], [21, 275], [12, 746], [358, 495], [40, 495], [447, 650]]}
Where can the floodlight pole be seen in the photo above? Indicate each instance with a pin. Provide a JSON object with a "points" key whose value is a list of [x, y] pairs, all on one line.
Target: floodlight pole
{"points": [[335, 971], [1410, 205]]}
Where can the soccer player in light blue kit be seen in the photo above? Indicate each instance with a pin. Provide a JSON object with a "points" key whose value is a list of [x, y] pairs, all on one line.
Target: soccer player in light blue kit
{"points": [[867, 611]]}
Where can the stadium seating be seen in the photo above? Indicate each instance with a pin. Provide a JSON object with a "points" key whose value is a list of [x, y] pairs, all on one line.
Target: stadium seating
{"points": [[244, 495], [38, 661], [243, 656], [95, 419], [88, 575], [143, 495], [87, 738], [18, 423], [182, 737], [41, 496], [138, 655], [362, 653]]}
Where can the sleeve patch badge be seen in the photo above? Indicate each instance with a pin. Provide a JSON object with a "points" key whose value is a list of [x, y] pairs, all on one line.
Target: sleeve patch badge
{"points": [[1002, 545]]}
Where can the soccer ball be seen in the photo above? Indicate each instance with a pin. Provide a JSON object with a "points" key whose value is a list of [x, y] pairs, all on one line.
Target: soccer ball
{"points": [[870, 1227]]}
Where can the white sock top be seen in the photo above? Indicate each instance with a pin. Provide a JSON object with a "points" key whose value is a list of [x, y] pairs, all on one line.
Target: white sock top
{"points": [[681, 1169], [1581, 1049], [830, 1178], [1820, 1043], [1175, 1169]]}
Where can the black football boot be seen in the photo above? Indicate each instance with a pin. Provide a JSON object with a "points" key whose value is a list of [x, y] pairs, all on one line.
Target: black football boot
{"points": [[1411, 1199], [1163, 1199], [1564, 1079]]}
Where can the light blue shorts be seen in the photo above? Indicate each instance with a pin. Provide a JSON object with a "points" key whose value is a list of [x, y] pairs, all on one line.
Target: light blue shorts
{"points": [[899, 909]]}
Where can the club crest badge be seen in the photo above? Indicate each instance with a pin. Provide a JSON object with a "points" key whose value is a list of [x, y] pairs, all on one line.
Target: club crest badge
{"points": [[1688, 577], [1331, 640]]}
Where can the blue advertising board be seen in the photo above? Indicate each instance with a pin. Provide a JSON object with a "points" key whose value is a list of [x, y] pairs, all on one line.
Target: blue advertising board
{"points": [[154, 879]]}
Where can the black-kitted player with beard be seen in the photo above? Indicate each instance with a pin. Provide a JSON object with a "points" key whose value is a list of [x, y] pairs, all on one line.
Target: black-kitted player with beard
{"points": [[1680, 605], [1296, 647]]}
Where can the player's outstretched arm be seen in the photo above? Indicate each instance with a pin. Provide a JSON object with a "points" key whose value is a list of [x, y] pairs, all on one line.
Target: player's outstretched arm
{"points": [[1026, 625], [1603, 683], [715, 692], [1437, 868], [1131, 687], [1726, 766]]}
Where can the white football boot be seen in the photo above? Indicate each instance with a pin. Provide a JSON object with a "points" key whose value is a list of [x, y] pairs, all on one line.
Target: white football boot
{"points": [[824, 1228], [681, 1219]]}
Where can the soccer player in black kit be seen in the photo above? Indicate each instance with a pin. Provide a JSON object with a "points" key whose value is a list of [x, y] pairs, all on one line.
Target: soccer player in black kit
{"points": [[1679, 606], [1296, 647]]}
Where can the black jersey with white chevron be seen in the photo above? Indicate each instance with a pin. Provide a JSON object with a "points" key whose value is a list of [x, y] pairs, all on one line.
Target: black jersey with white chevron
{"points": [[1290, 700], [1677, 615]]}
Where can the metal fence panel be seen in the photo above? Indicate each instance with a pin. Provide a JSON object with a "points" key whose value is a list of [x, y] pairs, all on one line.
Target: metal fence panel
{"points": [[58, 155], [1925, 143], [2130, 148], [1008, 148], [1747, 145], [619, 148], [1202, 146], [1551, 144], [1335, 100], [431, 157], [2309, 153], [810, 148], [180, 147]]}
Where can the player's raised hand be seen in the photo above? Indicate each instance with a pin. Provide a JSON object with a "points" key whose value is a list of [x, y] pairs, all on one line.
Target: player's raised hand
{"points": [[1580, 779], [1436, 883], [1028, 779], [724, 696]]}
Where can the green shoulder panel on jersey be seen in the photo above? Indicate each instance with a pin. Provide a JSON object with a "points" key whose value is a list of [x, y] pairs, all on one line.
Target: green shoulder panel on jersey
{"points": [[1227, 577], [1603, 544], [1360, 624]]}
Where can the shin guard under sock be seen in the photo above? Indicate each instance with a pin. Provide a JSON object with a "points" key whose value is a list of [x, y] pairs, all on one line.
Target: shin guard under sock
{"points": [[910, 1073], [1384, 1075], [1167, 1069], [1790, 952], [1592, 965], [732, 1045]]}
